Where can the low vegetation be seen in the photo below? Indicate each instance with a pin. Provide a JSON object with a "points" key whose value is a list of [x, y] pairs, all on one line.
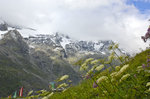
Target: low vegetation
{"points": [[129, 80]]}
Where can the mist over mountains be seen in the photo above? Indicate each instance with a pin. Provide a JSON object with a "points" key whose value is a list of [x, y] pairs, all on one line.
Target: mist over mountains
{"points": [[86, 49], [34, 61]]}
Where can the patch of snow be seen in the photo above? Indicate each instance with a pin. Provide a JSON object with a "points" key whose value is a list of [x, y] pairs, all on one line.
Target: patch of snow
{"points": [[92, 53], [2, 33], [57, 49], [26, 33], [124, 52], [86, 52], [31, 46], [64, 42], [53, 40], [10, 28], [101, 44], [98, 46], [103, 52], [13, 35]]}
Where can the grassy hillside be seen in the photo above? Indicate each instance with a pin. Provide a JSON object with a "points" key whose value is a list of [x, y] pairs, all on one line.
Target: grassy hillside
{"points": [[132, 87], [130, 80], [21, 66]]}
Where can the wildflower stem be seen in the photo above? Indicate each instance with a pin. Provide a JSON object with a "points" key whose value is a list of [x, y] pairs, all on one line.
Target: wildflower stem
{"points": [[120, 51], [113, 84], [106, 89], [118, 57], [98, 86], [95, 82], [111, 66]]}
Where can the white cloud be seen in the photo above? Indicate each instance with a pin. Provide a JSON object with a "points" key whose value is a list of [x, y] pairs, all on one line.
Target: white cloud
{"points": [[142, 0], [82, 19]]}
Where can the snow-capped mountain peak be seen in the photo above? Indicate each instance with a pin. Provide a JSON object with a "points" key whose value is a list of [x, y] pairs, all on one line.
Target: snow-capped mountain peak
{"points": [[68, 45], [58, 41]]}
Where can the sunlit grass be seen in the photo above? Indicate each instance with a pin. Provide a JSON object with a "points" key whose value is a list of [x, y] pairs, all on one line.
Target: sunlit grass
{"points": [[130, 80]]}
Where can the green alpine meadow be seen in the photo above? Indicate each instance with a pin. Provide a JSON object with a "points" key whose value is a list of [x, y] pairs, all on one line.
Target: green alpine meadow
{"points": [[74, 49], [129, 80]]}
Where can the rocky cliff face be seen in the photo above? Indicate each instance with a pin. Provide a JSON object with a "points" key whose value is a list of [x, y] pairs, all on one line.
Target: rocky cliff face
{"points": [[34, 61], [65, 47], [21, 65]]}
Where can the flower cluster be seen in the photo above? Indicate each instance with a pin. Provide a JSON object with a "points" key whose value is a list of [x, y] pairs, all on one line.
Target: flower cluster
{"points": [[100, 67], [64, 77], [83, 67], [122, 70], [117, 68], [101, 79], [62, 85], [94, 62], [124, 77], [88, 60]]}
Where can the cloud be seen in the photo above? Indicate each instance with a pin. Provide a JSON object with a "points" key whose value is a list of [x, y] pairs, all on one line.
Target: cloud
{"points": [[82, 19], [142, 0]]}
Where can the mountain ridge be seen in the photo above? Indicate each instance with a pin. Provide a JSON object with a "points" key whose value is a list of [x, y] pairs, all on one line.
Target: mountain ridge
{"points": [[34, 61], [33, 69], [70, 47]]}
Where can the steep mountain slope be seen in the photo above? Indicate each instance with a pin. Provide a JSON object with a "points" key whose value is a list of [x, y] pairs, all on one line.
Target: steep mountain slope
{"points": [[68, 48], [61, 44], [135, 86], [34, 61], [21, 66]]}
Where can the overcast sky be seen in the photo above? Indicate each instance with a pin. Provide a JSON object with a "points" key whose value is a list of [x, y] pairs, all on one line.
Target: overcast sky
{"points": [[121, 20]]}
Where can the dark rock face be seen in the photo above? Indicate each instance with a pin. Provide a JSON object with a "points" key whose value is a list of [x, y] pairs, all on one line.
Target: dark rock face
{"points": [[3, 27], [31, 68], [69, 46], [35, 61], [14, 40]]}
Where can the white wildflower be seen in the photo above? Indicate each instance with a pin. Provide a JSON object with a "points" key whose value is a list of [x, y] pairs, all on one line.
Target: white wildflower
{"points": [[111, 57], [111, 47], [116, 46], [139, 68], [113, 53], [91, 70], [147, 91], [113, 80], [64, 77], [113, 74], [148, 84], [94, 61], [122, 70], [103, 78], [62, 85], [107, 62], [117, 68], [48, 96], [69, 81], [83, 67], [147, 71], [99, 67], [64, 90], [121, 57], [30, 92], [105, 92], [124, 77], [89, 60]]}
